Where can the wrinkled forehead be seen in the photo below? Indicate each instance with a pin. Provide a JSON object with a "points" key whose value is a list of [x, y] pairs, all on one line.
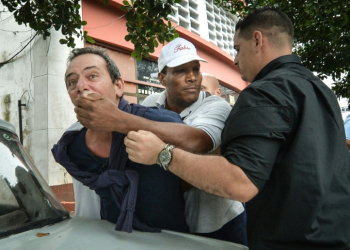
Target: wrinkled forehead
{"points": [[86, 60]]}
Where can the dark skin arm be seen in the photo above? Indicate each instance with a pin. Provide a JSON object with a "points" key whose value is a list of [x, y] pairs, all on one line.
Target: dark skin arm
{"points": [[99, 113], [348, 144]]}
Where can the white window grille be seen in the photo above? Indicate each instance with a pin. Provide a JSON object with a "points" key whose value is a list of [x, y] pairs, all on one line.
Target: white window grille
{"points": [[206, 20]]}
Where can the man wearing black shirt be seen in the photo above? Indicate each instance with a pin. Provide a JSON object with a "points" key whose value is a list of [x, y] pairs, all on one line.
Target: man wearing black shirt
{"points": [[283, 146]]}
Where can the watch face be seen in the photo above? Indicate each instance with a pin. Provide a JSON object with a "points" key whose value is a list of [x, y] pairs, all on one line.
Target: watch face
{"points": [[165, 157]]}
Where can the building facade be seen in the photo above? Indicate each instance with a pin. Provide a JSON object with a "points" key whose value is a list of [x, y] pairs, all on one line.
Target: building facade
{"points": [[208, 27], [33, 95]]}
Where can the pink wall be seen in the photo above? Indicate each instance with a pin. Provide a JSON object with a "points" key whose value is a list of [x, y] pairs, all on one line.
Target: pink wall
{"points": [[106, 25]]}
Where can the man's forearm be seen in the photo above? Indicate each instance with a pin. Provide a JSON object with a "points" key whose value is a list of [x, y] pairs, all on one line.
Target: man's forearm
{"points": [[181, 135], [213, 174], [101, 114]]}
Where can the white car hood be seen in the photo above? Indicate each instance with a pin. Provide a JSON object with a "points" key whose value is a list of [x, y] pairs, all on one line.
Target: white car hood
{"points": [[80, 233]]}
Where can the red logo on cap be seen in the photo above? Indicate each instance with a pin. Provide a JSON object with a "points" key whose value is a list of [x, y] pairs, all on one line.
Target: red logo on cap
{"points": [[179, 48]]}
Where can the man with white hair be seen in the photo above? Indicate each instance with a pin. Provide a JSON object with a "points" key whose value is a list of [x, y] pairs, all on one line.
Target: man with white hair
{"points": [[211, 84]]}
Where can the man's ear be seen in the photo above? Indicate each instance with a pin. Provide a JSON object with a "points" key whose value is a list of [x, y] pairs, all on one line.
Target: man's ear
{"points": [[218, 92], [258, 40], [161, 78], [119, 87]]}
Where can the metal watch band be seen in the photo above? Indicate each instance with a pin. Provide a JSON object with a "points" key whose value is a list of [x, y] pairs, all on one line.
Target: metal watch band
{"points": [[158, 160], [165, 156], [170, 149]]}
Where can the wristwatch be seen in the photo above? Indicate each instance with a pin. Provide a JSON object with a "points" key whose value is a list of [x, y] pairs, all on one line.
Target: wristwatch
{"points": [[165, 156]]}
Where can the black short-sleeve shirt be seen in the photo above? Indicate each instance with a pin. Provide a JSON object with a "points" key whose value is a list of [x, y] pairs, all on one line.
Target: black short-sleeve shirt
{"points": [[286, 133]]}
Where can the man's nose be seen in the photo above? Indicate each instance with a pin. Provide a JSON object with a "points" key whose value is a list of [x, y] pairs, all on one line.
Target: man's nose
{"points": [[192, 76], [81, 85]]}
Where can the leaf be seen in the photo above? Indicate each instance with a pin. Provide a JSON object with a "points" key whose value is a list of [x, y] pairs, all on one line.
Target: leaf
{"points": [[155, 43], [63, 41], [127, 38], [90, 39], [346, 18]]}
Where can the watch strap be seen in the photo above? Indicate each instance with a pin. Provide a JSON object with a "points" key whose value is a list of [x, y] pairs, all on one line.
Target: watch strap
{"points": [[158, 158], [168, 148]]}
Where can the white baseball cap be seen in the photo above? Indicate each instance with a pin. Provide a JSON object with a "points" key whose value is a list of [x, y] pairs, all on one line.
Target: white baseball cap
{"points": [[179, 51]]}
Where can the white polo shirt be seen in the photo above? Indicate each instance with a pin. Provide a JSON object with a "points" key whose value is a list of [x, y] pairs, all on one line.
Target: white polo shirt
{"points": [[205, 212]]}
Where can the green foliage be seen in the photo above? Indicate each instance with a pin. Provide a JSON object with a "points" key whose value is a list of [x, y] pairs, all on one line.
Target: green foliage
{"points": [[147, 21], [43, 15], [322, 35], [146, 24], [322, 28]]}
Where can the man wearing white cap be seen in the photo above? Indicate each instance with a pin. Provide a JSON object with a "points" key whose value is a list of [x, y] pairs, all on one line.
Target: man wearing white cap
{"points": [[179, 72]]}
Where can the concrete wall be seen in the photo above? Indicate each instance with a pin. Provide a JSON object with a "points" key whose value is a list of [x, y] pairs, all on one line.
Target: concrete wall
{"points": [[36, 77]]}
